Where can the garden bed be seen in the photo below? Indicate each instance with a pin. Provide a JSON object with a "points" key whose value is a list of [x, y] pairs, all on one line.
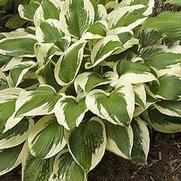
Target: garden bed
{"points": [[164, 163]]}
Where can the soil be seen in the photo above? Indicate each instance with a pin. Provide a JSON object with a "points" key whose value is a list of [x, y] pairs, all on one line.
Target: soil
{"points": [[164, 163]]}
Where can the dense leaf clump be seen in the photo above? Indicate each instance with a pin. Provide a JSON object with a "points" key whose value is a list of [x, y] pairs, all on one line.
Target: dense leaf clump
{"points": [[84, 76]]}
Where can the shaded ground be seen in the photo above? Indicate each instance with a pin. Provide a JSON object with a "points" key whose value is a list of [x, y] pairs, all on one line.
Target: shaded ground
{"points": [[14, 175], [164, 163]]}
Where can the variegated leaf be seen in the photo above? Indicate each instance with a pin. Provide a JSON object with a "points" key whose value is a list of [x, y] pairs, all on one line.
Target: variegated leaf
{"points": [[100, 12], [49, 31], [149, 102], [170, 108], [31, 29], [27, 11], [44, 52], [66, 169], [29, 81], [149, 38], [77, 16], [17, 72], [70, 112], [126, 36], [15, 22], [164, 123], [134, 73], [69, 64], [8, 99], [103, 49], [97, 30], [167, 23], [140, 95], [11, 158], [112, 5], [88, 80], [14, 34], [4, 83], [129, 16], [141, 141], [174, 48], [149, 5], [21, 46], [47, 9], [16, 135], [38, 102], [116, 107], [45, 75], [168, 88], [8, 62], [46, 138], [165, 63], [119, 140], [87, 143], [37, 169]]}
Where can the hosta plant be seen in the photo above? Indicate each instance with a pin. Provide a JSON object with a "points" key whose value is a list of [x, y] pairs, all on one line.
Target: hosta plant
{"points": [[9, 15], [85, 77]]}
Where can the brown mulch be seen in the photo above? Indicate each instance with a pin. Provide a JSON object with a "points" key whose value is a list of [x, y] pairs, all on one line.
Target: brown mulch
{"points": [[164, 163]]}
